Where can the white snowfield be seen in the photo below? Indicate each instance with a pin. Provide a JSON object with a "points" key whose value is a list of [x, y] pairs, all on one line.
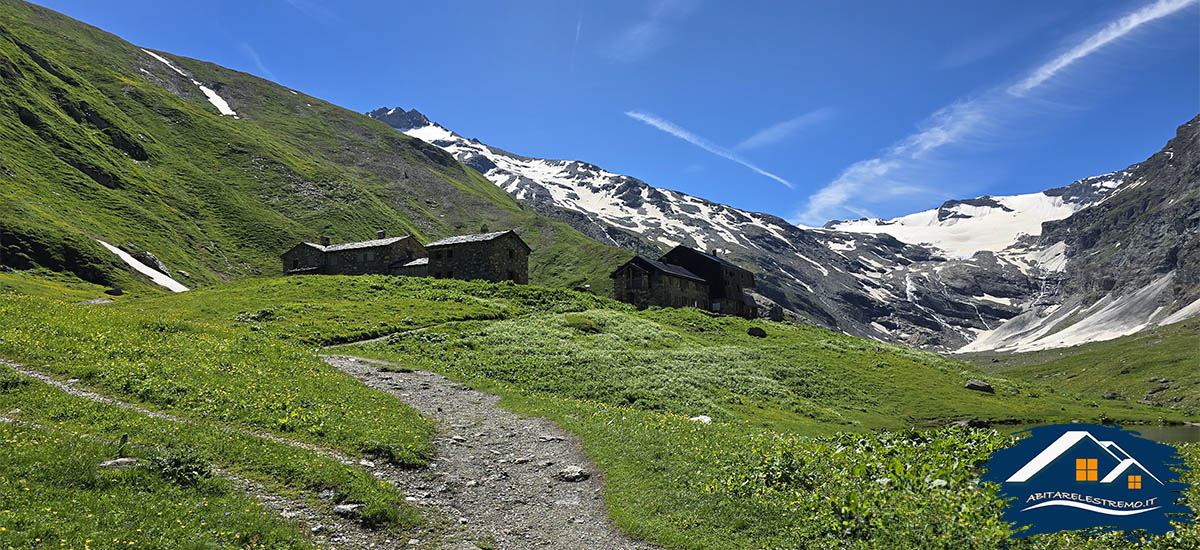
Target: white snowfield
{"points": [[217, 101], [159, 278], [970, 229], [1111, 317]]}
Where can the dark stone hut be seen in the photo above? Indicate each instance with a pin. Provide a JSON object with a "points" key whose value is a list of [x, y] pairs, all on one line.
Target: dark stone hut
{"points": [[685, 277], [727, 282], [644, 282], [382, 255], [498, 256]]}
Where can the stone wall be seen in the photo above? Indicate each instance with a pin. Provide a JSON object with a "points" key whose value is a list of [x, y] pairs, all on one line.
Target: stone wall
{"points": [[377, 259], [501, 259], [653, 288], [303, 258]]}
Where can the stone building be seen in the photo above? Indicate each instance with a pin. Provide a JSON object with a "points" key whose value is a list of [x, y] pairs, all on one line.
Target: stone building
{"points": [[644, 282], [685, 277], [498, 256], [381, 255], [727, 282]]}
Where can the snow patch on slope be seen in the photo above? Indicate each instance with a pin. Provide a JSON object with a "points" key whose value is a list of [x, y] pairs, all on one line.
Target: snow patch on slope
{"points": [[1111, 317], [217, 101], [159, 278], [663, 215]]}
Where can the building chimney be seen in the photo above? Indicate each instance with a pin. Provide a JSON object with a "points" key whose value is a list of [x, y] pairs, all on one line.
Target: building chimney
{"points": [[324, 240], [483, 228], [712, 252], [380, 234]]}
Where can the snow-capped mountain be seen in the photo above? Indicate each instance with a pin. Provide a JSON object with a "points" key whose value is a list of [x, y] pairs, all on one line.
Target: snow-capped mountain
{"points": [[960, 228], [972, 274]]}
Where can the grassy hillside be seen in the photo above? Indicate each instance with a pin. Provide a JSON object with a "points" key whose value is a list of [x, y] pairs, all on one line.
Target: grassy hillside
{"points": [[793, 458], [100, 140], [1160, 365]]}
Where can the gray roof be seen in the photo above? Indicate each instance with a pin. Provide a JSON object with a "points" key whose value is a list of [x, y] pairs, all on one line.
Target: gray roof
{"points": [[708, 256], [360, 244], [475, 238], [670, 269]]}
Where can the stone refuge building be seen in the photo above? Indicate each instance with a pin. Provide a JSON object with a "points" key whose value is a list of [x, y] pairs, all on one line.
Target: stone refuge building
{"points": [[499, 256], [685, 277], [380, 255]]}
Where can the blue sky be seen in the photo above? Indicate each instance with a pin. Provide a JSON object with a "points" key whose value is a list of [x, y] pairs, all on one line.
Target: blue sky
{"points": [[808, 110]]}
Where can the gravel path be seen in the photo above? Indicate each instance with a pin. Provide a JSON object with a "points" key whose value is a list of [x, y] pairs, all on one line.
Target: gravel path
{"points": [[497, 478]]}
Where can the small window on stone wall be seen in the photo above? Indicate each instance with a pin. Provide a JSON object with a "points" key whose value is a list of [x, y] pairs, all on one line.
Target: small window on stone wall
{"points": [[511, 254]]}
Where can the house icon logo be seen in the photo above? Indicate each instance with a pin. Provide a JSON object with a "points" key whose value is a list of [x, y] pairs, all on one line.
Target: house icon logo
{"points": [[1084, 476]]}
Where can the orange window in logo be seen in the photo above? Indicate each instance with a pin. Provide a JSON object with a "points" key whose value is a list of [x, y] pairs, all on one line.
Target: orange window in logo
{"points": [[1135, 482], [1086, 469]]}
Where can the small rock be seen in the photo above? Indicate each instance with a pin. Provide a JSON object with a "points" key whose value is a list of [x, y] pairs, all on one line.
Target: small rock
{"points": [[938, 483], [701, 419], [459, 439], [366, 463], [979, 385], [316, 529], [573, 473], [472, 483], [550, 438], [413, 542], [118, 463], [756, 332], [1111, 395], [347, 510], [523, 460], [969, 423], [327, 494], [462, 521]]}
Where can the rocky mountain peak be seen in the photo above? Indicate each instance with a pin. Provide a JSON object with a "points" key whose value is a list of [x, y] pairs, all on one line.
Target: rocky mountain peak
{"points": [[400, 119]]}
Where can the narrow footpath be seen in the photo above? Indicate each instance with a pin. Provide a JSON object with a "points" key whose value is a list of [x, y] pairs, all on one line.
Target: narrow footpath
{"points": [[498, 479]]}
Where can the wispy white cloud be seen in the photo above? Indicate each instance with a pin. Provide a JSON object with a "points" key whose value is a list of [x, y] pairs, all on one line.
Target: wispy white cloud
{"points": [[254, 57], [1112, 31], [670, 128], [578, 33], [645, 35], [891, 174], [782, 130]]}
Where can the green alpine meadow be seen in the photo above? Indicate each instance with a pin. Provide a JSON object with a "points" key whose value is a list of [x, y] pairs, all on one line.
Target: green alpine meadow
{"points": [[234, 315]]}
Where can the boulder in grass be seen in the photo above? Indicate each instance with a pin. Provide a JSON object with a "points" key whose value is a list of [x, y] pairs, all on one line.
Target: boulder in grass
{"points": [[979, 385], [119, 463], [756, 332], [969, 423], [347, 510]]}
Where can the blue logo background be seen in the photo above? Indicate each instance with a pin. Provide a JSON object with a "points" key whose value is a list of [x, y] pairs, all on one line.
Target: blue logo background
{"points": [[1051, 490]]}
